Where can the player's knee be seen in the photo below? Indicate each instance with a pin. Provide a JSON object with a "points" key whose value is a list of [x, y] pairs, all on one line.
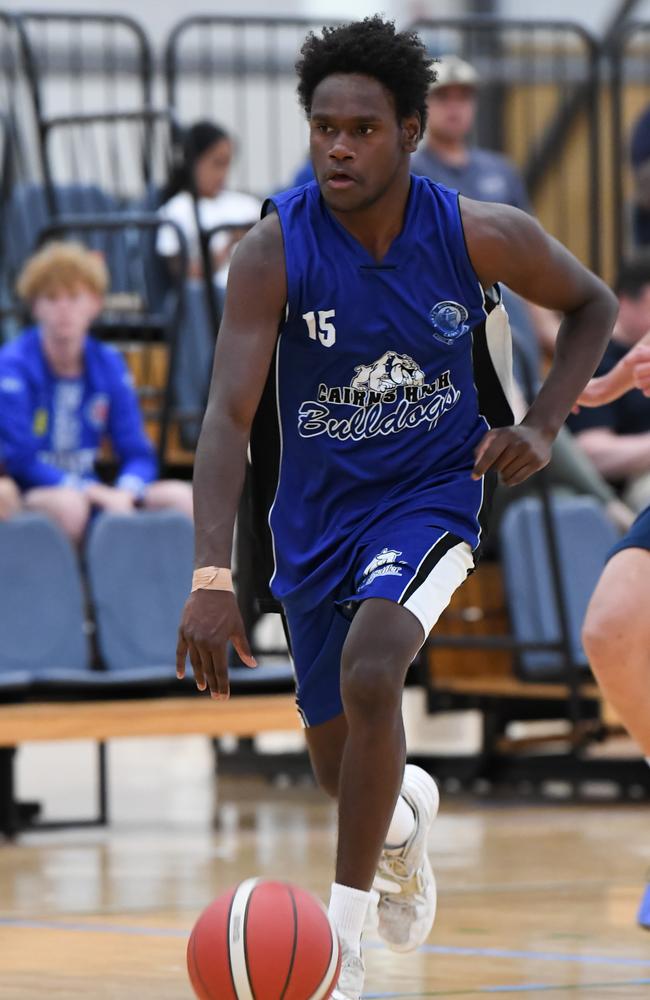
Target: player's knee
{"points": [[371, 686], [601, 639]]}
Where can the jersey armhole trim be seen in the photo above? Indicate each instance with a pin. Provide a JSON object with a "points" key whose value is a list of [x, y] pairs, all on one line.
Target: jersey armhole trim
{"points": [[484, 292]]}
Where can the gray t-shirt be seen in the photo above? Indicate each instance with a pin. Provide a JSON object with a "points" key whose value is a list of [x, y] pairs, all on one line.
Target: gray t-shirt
{"points": [[486, 176]]}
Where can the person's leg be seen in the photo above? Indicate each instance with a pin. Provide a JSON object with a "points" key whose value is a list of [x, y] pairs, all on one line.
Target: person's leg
{"points": [[325, 744], [616, 638], [66, 506], [382, 643], [169, 494], [9, 498]]}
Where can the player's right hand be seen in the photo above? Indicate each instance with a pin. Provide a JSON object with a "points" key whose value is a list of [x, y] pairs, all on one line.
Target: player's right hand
{"points": [[210, 618]]}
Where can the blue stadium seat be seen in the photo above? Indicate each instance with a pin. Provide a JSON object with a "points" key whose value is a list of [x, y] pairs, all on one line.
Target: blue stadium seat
{"points": [[584, 536], [41, 605], [139, 572]]}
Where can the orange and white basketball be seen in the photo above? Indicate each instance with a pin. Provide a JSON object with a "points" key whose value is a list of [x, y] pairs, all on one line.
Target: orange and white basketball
{"points": [[264, 940]]}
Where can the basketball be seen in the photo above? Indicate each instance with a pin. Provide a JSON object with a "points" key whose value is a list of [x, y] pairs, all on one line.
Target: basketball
{"points": [[264, 940]]}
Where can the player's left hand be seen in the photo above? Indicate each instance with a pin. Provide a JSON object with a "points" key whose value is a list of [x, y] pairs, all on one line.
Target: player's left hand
{"points": [[515, 452]]}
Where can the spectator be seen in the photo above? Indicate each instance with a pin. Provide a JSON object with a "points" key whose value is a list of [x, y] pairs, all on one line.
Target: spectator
{"points": [[447, 157], [9, 498], [616, 436], [207, 155], [62, 393]]}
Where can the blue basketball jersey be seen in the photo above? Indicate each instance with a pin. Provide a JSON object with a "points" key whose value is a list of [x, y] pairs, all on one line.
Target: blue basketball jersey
{"points": [[387, 376]]}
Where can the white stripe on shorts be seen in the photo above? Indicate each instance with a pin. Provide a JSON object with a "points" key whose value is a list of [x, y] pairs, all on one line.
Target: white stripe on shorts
{"points": [[433, 594]]}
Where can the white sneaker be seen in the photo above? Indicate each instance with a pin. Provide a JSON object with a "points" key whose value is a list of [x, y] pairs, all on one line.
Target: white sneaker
{"points": [[405, 882], [351, 977]]}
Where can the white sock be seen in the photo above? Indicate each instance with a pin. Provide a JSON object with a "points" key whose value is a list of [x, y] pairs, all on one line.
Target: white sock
{"points": [[402, 824], [348, 908]]}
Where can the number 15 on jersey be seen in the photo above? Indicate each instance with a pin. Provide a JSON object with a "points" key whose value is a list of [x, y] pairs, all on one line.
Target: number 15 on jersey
{"points": [[322, 330]]}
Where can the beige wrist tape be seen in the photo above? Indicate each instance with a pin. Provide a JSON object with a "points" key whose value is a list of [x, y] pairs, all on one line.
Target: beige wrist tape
{"points": [[212, 578]]}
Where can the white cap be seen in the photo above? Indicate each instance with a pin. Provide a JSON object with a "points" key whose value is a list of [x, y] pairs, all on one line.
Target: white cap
{"points": [[452, 70]]}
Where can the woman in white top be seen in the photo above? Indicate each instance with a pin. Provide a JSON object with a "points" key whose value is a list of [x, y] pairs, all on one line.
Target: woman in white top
{"points": [[207, 155]]}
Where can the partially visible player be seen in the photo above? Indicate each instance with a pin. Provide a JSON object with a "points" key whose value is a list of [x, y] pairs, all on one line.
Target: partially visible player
{"points": [[371, 293], [616, 632]]}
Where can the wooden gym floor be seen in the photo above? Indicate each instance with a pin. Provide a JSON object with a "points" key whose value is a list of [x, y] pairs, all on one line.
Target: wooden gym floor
{"points": [[534, 900]]}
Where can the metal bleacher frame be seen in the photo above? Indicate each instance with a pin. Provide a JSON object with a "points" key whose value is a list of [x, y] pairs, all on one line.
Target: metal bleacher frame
{"points": [[626, 67], [109, 59]]}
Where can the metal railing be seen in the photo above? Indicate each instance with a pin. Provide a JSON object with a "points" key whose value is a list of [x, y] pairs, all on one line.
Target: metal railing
{"points": [[128, 155], [240, 71], [86, 61]]}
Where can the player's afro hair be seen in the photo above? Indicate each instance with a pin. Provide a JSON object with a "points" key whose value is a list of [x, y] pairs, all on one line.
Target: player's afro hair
{"points": [[372, 47]]}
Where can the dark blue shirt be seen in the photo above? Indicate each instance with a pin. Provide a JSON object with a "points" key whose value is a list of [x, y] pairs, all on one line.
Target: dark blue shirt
{"points": [[486, 176], [628, 415]]}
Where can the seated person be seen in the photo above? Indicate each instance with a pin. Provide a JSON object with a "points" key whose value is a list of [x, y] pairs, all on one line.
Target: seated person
{"points": [[62, 393], [448, 156], [207, 155], [616, 435]]}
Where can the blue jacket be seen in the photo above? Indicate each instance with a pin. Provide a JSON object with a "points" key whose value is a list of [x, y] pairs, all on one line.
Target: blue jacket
{"points": [[51, 428]]}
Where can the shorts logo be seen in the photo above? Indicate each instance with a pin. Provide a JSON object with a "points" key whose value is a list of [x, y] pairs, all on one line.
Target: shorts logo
{"points": [[384, 564], [448, 319]]}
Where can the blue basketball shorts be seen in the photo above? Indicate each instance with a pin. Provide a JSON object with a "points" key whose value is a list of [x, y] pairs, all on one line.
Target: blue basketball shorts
{"points": [[416, 565], [638, 537]]}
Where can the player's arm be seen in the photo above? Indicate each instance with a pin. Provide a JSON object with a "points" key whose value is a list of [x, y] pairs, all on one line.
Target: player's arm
{"points": [[631, 372], [254, 307], [506, 245]]}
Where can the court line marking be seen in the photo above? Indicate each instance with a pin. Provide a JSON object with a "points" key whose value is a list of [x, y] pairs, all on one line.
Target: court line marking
{"points": [[509, 988], [534, 956], [629, 962]]}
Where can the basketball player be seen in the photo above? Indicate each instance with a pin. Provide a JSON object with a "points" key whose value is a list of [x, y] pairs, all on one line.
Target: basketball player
{"points": [[372, 295], [616, 631]]}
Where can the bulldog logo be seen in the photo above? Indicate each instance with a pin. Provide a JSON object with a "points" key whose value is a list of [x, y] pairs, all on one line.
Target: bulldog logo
{"points": [[388, 372]]}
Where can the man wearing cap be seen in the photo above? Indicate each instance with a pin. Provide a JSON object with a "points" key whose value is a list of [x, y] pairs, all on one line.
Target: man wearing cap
{"points": [[445, 154]]}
